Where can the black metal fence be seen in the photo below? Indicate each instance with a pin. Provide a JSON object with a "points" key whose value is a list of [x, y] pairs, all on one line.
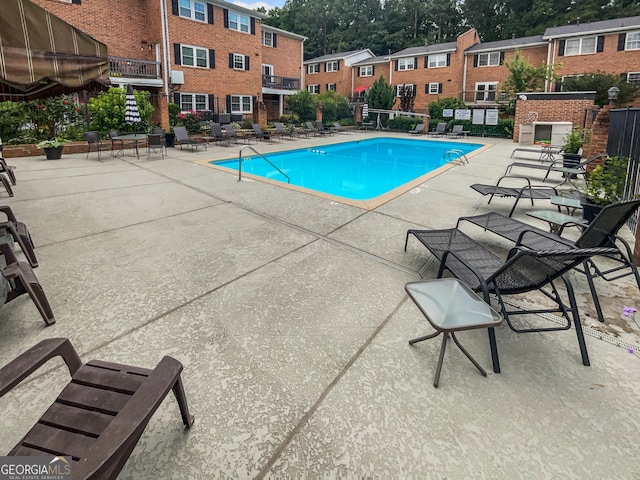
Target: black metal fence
{"points": [[624, 141]]}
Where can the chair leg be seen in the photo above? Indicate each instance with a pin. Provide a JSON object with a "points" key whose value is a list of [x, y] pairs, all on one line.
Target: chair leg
{"points": [[436, 378], [592, 288], [426, 337], [576, 321], [181, 397]]}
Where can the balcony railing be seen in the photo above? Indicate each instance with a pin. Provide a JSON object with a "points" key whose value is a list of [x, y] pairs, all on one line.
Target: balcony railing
{"points": [[490, 97], [280, 83], [131, 67]]}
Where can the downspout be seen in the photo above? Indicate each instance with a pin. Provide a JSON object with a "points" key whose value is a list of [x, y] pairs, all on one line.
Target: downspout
{"points": [[164, 21], [549, 63], [464, 77]]}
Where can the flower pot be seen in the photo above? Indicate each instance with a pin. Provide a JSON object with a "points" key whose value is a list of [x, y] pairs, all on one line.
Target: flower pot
{"points": [[169, 139], [571, 160], [53, 153], [590, 210]]}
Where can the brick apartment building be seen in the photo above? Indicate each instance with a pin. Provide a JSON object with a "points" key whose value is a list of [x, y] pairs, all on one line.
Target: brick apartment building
{"points": [[203, 55], [334, 71]]}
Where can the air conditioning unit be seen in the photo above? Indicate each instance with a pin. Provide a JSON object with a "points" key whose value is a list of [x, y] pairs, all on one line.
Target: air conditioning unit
{"points": [[177, 77]]}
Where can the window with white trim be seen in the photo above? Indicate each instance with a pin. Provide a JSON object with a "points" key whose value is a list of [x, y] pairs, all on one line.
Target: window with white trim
{"points": [[406, 64], [267, 74], [238, 22], [241, 104], [633, 77], [366, 71], [408, 87], [267, 38], [313, 68], [331, 66], [489, 59], [486, 91], [193, 101], [194, 10], [238, 61], [632, 41], [434, 88], [439, 60], [331, 87], [313, 88], [580, 46], [194, 56]]}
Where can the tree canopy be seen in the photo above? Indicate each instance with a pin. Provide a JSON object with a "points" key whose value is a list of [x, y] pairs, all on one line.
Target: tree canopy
{"points": [[392, 25]]}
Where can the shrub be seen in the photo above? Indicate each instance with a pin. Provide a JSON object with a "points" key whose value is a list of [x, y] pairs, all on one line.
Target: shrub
{"points": [[435, 108], [403, 123], [13, 118], [108, 108], [192, 121], [334, 106], [302, 104], [174, 110], [51, 116]]}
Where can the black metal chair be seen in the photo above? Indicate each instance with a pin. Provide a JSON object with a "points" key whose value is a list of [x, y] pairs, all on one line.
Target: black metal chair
{"points": [[121, 144], [155, 142], [183, 138], [557, 166], [524, 270], [259, 133], [601, 232], [93, 139], [526, 192]]}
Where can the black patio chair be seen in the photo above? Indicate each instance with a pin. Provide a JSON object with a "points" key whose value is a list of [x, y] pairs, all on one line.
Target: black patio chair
{"points": [[441, 129], [557, 166], [259, 133], [283, 132], [183, 138], [601, 232], [524, 270], [119, 143], [155, 142], [93, 139]]}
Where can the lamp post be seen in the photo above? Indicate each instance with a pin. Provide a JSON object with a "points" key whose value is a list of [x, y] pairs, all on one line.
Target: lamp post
{"points": [[613, 94]]}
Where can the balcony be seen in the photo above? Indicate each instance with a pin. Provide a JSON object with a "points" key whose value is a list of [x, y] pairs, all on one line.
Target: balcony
{"points": [[485, 97], [276, 82], [137, 72]]}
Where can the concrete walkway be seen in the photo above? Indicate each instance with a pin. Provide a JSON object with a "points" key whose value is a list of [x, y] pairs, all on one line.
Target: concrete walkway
{"points": [[289, 314]]}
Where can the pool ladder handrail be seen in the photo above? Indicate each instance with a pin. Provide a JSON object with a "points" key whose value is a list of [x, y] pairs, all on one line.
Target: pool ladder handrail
{"points": [[455, 155], [260, 155]]}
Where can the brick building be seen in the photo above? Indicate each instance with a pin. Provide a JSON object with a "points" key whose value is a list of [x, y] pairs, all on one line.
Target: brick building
{"points": [[203, 55], [334, 72]]}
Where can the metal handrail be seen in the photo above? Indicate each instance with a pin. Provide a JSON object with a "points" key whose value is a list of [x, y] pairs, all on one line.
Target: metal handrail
{"points": [[455, 155], [260, 155]]}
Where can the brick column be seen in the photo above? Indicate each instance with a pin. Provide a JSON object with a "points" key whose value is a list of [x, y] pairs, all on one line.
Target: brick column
{"points": [[260, 113], [357, 113], [599, 135], [163, 111], [319, 111]]}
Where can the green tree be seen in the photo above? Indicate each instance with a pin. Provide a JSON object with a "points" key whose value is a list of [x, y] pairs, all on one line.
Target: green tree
{"points": [[108, 108], [435, 108], [525, 77], [600, 82], [334, 106], [303, 105], [381, 95]]}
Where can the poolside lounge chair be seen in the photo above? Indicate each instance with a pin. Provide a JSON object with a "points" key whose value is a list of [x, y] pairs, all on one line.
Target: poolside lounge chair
{"points": [[322, 129], [419, 130], [100, 415], [183, 138], [20, 234], [217, 135], [259, 133], [546, 153], [556, 166], [529, 192], [524, 270], [231, 135], [22, 280], [8, 169], [6, 184], [457, 132], [440, 129], [282, 131], [601, 232], [312, 129], [340, 129]]}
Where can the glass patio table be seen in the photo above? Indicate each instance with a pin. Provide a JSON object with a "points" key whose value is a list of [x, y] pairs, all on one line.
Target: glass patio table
{"points": [[133, 137]]}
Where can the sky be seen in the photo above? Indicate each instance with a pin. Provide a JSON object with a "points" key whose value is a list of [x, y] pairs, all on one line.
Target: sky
{"points": [[268, 4]]}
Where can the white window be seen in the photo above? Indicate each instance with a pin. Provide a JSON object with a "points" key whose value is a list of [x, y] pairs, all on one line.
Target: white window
{"points": [[486, 92], [366, 71], [313, 68], [489, 59], [267, 39], [408, 87], [632, 41], [406, 64], [238, 22], [193, 9], [194, 56], [331, 87], [313, 88], [331, 66], [434, 88], [193, 101], [241, 104], [633, 77], [437, 60], [580, 46], [238, 61], [267, 74]]}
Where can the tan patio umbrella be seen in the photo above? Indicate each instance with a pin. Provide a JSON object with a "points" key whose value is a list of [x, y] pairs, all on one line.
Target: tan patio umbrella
{"points": [[42, 55]]}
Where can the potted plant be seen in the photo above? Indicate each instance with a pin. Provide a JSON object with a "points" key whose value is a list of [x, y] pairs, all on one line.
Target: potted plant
{"points": [[605, 186], [573, 142], [52, 148]]}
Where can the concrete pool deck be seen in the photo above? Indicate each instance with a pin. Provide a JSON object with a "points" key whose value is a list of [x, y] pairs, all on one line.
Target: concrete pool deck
{"points": [[289, 314]]}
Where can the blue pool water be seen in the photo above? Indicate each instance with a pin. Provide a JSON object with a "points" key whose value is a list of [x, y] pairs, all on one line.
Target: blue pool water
{"points": [[358, 170]]}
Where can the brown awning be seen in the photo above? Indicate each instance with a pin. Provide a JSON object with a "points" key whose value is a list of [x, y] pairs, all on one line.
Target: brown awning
{"points": [[41, 54]]}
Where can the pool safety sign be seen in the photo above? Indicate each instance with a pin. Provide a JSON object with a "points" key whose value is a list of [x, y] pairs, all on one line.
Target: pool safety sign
{"points": [[463, 115], [491, 116], [478, 117]]}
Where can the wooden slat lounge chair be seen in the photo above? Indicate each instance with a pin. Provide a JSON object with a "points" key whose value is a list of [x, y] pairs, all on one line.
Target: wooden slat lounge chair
{"points": [[528, 191], [100, 415], [23, 280], [441, 129], [601, 232], [183, 138], [20, 234], [524, 270]]}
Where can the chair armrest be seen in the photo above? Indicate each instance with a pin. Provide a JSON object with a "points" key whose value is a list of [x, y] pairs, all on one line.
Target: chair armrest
{"points": [[25, 364], [6, 209], [131, 421], [483, 284], [534, 233], [7, 252], [513, 176]]}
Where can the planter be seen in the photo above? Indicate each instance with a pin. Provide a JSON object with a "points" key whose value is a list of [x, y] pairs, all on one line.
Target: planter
{"points": [[169, 139], [589, 210], [53, 153], [571, 160]]}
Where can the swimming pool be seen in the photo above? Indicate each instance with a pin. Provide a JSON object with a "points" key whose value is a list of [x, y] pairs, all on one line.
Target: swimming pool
{"points": [[357, 170]]}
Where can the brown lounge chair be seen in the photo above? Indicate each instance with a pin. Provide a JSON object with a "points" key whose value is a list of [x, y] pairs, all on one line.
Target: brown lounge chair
{"points": [[100, 415]]}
